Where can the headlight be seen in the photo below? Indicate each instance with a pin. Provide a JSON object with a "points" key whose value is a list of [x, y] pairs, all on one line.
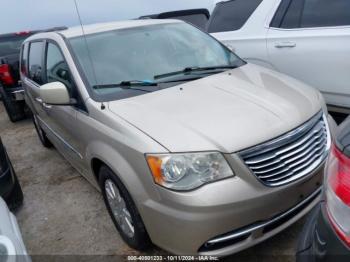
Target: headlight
{"points": [[188, 171]]}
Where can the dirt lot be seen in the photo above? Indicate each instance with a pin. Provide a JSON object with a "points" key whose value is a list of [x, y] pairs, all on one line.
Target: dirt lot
{"points": [[64, 215]]}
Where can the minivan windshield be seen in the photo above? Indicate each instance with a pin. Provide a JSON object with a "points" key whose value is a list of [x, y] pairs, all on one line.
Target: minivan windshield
{"points": [[141, 54]]}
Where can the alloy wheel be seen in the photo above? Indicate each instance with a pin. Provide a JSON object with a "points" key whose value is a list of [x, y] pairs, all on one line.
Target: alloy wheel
{"points": [[118, 207]]}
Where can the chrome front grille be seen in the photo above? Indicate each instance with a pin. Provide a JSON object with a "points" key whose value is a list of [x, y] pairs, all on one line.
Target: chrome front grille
{"points": [[291, 156]]}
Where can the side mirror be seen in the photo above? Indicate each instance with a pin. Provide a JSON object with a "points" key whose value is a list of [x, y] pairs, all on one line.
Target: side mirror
{"points": [[55, 93]]}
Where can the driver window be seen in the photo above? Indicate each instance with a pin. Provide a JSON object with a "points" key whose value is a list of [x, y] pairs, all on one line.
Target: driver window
{"points": [[56, 67]]}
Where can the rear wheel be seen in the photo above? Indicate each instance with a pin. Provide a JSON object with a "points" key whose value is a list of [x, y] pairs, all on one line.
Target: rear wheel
{"points": [[14, 109], [123, 211], [41, 133]]}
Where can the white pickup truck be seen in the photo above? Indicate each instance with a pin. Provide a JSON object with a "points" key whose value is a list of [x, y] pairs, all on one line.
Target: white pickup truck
{"points": [[307, 39]]}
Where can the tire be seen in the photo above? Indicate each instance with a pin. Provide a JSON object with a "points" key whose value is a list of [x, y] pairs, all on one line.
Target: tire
{"points": [[139, 240], [14, 109], [41, 133], [15, 199]]}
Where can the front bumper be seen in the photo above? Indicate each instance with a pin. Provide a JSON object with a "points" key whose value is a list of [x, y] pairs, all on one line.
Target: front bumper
{"points": [[17, 94], [318, 242], [185, 223]]}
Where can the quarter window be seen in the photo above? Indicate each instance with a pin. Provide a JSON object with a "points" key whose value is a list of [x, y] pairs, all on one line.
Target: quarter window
{"points": [[35, 62], [231, 15]]}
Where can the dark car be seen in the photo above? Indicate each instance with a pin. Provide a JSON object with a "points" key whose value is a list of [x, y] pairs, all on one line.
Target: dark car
{"points": [[10, 189], [11, 91], [326, 234], [197, 17]]}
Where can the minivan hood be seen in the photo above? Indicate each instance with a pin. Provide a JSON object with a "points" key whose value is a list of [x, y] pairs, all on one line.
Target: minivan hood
{"points": [[226, 112]]}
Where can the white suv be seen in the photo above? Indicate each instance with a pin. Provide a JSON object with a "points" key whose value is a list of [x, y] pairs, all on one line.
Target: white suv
{"points": [[307, 39]]}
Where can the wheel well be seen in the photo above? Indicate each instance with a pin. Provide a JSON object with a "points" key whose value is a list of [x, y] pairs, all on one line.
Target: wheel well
{"points": [[96, 165]]}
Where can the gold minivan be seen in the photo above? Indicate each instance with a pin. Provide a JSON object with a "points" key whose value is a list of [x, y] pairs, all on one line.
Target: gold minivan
{"points": [[193, 149]]}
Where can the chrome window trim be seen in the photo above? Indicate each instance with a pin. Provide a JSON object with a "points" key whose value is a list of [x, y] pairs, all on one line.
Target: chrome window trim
{"points": [[310, 28]]}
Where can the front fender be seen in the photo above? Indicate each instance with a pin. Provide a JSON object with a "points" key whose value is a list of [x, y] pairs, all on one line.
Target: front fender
{"points": [[135, 176]]}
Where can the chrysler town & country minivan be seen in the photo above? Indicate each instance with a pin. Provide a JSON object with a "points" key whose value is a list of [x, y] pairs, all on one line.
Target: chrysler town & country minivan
{"points": [[193, 149]]}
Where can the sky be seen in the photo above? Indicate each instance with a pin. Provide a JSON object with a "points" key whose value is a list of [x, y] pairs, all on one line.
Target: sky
{"points": [[23, 15]]}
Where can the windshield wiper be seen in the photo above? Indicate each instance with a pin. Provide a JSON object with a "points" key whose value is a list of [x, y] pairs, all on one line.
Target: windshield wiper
{"points": [[189, 70], [127, 84]]}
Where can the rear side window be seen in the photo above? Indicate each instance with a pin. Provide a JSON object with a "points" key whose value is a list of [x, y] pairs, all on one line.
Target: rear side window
{"points": [[323, 13], [35, 61], [24, 59], [231, 15], [312, 13]]}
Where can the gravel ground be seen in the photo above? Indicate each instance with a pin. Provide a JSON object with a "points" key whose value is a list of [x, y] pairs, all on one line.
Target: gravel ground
{"points": [[63, 215]]}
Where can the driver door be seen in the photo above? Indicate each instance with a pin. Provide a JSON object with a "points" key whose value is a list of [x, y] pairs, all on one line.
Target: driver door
{"points": [[61, 119]]}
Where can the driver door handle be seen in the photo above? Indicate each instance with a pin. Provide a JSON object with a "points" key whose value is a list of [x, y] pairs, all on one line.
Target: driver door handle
{"points": [[44, 105], [285, 45], [47, 106]]}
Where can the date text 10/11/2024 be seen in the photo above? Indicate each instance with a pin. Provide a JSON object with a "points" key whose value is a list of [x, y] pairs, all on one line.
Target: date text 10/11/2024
{"points": [[172, 258]]}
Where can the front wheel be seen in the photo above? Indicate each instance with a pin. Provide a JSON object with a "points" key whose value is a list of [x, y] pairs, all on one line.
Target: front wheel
{"points": [[122, 210]]}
